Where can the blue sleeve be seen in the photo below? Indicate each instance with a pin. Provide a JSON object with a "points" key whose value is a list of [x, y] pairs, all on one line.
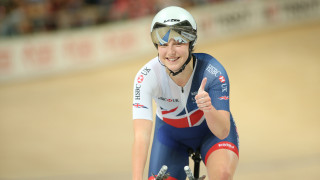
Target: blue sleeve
{"points": [[217, 85]]}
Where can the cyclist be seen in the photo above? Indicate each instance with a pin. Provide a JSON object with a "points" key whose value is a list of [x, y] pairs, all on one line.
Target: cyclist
{"points": [[191, 93]]}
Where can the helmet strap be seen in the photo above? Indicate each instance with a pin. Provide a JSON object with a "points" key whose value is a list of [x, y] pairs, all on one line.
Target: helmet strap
{"points": [[182, 67]]}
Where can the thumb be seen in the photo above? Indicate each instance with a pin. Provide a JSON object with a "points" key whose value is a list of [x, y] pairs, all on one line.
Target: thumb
{"points": [[203, 85]]}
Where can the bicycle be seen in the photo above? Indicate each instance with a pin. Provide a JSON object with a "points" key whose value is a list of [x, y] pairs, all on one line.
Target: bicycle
{"points": [[195, 156]]}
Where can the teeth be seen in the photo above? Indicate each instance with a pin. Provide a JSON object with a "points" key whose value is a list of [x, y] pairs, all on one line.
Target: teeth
{"points": [[172, 59]]}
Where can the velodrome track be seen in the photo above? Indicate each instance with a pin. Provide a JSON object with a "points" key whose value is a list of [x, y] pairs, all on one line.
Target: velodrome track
{"points": [[78, 126]]}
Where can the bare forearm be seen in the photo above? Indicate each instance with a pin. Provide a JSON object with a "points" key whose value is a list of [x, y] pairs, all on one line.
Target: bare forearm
{"points": [[218, 122], [139, 158], [142, 132]]}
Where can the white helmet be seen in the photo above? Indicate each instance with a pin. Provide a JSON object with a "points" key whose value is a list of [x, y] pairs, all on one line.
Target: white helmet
{"points": [[173, 22]]}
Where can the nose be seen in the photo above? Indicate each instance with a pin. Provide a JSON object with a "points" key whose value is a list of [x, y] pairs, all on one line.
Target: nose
{"points": [[171, 50]]}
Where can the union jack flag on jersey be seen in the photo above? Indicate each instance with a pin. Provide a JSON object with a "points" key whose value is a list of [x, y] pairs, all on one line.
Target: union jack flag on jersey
{"points": [[224, 97], [137, 105]]}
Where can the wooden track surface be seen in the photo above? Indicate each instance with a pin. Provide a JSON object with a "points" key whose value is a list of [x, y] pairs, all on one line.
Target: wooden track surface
{"points": [[78, 126]]}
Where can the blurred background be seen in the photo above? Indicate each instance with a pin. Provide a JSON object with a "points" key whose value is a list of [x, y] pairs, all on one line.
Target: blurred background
{"points": [[67, 70]]}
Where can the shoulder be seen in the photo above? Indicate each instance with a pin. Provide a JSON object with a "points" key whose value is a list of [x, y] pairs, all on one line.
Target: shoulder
{"points": [[208, 63], [145, 77], [147, 69], [204, 58], [152, 64], [211, 68]]}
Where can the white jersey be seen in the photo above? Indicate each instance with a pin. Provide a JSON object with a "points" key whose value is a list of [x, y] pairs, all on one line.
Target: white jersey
{"points": [[175, 104]]}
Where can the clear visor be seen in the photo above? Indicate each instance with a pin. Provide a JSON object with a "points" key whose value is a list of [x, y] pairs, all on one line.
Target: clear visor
{"points": [[181, 34]]}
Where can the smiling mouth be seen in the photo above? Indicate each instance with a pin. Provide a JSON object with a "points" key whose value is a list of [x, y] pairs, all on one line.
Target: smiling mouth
{"points": [[172, 59]]}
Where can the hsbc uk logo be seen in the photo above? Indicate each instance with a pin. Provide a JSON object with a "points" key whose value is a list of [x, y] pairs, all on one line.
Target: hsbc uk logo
{"points": [[143, 73], [168, 99], [140, 79], [137, 92], [222, 79], [214, 71]]}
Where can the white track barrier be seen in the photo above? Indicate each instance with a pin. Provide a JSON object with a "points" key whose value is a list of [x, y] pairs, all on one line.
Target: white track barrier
{"points": [[67, 51]]}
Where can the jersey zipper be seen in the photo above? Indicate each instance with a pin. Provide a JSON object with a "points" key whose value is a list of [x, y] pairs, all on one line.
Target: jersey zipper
{"points": [[185, 107]]}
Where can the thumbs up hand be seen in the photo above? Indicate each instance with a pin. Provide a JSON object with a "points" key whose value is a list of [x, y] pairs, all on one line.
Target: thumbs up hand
{"points": [[203, 99]]}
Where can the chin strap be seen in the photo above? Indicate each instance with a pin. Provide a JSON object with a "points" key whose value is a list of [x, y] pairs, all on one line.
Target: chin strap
{"points": [[182, 67]]}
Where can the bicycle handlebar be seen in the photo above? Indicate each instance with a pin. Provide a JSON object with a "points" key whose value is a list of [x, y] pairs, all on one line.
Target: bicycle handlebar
{"points": [[162, 173], [189, 173]]}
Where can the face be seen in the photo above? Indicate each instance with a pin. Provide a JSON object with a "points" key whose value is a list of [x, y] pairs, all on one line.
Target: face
{"points": [[173, 54]]}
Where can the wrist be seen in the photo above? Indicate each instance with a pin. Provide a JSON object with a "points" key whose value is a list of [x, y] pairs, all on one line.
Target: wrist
{"points": [[208, 109], [137, 178]]}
